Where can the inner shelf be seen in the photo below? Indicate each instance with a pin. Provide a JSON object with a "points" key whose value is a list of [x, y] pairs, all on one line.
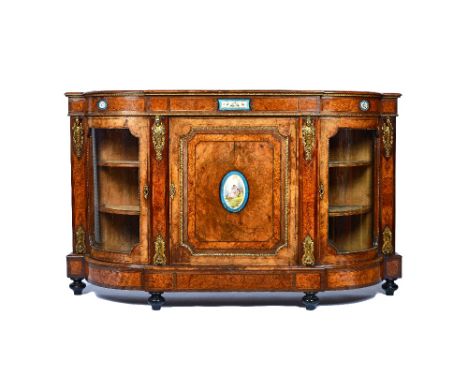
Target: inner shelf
{"points": [[120, 209], [347, 210], [119, 163], [344, 163], [350, 190]]}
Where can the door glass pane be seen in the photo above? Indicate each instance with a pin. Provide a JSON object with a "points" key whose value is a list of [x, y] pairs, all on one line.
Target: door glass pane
{"points": [[115, 190], [351, 173]]}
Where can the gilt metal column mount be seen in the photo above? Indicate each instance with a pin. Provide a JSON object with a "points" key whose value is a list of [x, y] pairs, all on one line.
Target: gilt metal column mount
{"points": [[158, 136], [308, 138]]}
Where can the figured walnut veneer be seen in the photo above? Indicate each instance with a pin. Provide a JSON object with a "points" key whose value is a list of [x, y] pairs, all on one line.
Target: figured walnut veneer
{"points": [[162, 154]]}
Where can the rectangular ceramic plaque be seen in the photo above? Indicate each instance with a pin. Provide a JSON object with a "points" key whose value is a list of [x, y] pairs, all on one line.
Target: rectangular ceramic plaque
{"points": [[230, 104]]}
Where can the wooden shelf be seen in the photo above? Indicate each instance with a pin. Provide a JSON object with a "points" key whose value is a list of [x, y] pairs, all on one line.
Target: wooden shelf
{"points": [[334, 211], [120, 209], [121, 248], [356, 163], [119, 163]]}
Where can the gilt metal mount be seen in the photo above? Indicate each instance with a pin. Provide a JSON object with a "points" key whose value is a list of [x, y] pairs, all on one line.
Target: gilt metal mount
{"points": [[78, 137], [321, 191], [159, 251], [387, 137], [308, 257], [158, 136], [387, 239], [308, 138], [172, 191], [80, 247]]}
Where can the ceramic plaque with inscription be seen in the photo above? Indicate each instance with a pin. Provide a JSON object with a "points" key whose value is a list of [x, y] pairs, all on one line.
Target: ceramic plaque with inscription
{"points": [[234, 104]]}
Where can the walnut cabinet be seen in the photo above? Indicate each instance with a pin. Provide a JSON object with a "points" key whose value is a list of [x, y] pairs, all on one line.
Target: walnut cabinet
{"points": [[233, 191]]}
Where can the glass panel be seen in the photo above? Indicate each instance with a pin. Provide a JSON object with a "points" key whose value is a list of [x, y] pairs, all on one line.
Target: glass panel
{"points": [[115, 185], [350, 210]]}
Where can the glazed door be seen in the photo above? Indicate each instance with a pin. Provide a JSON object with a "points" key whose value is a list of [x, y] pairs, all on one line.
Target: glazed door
{"points": [[348, 190], [234, 197], [119, 190]]}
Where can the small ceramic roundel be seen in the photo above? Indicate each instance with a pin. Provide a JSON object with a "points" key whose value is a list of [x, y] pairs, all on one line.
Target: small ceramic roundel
{"points": [[234, 191], [364, 105], [102, 104]]}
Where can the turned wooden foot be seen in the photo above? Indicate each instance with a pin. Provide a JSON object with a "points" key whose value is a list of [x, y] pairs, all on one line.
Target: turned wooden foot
{"points": [[156, 300], [310, 301], [77, 285], [389, 286]]}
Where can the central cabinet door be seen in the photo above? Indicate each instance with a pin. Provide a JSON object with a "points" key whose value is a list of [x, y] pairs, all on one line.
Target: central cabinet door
{"points": [[233, 191]]}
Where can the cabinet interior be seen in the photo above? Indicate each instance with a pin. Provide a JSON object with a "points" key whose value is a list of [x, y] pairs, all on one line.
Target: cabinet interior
{"points": [[115, 189], [350, 181]]}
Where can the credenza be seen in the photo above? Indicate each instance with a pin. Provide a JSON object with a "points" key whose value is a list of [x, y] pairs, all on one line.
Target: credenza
{"points": [[233, 191]]}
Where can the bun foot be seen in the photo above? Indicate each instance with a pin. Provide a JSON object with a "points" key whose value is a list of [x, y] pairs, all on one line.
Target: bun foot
{"points": [[77, 286], [310, 301], [389, 286], [156, 300]]}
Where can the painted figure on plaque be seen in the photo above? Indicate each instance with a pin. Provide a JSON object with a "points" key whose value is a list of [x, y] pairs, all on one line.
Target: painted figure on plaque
{"points": [[234, 191]]}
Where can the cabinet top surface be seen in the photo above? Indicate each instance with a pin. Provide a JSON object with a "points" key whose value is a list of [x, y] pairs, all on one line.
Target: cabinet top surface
{"points": [[334, 93]]}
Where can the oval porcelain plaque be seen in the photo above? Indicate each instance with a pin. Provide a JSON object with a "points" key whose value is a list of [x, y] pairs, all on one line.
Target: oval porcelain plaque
{"points": [[234, 191]]}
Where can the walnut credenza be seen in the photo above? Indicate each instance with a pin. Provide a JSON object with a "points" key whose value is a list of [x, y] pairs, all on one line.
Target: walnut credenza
{"points": [[233, 191]]}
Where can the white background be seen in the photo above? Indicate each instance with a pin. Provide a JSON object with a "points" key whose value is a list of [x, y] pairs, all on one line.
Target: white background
{"points": [[416, 48]]}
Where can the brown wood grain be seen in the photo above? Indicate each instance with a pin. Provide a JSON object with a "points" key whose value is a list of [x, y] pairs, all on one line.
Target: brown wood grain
{"points": [[388, 106], [182, 278], [392, 267], [387, 188], [76, 104], [128, 103], [123, 122], [275, 103], [159, 281], [149, 102], [201, 206], [212, 143], [115, 278], [79, 184], [193, 104], [234, 282], [258, 157], [76, 266], [339, 279], [308, 281], [348, 104], [159, 186], [308, 191], [309, 104]]}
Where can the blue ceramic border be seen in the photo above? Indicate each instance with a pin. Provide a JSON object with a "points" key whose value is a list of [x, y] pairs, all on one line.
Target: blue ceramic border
{"points": [[366, 103], [221, 189], [99, 101], [221, 108]]}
